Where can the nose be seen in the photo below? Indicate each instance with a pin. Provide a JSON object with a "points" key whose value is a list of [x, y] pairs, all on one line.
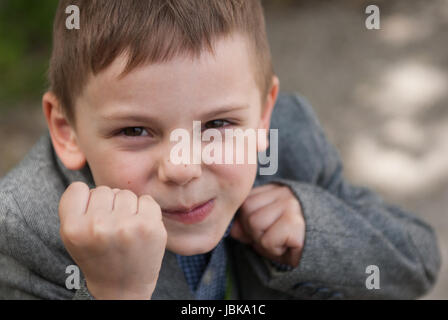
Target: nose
{"points": [[179, 174]]}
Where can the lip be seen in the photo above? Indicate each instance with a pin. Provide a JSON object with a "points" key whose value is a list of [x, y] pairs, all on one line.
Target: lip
{"points": [[181, 209], [189, 216]]}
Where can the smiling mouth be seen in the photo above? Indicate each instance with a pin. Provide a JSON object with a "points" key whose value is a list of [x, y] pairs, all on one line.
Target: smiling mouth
{"points": [[185, 210], [192, 215]]}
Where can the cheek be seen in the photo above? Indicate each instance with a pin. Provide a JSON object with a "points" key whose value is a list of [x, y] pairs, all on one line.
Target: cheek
{"points": [[235, 180], [121, 170]]}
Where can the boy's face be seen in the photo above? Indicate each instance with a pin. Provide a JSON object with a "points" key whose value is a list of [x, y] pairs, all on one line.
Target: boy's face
{"points": [[155, 99]]}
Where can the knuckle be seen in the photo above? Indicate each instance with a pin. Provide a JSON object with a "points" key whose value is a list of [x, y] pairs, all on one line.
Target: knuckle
{"points": [[253, 221], [68, 230], [247, 206], [127, 194], [73, 191], [285, 189], [151, 204], [102, 189], [265, 242], [124, 233], [291, 203], [144, 229], [78, 186], [99, 234], [99, 230], [292, 220], [71, 234], [146, 199], [150, 230]]}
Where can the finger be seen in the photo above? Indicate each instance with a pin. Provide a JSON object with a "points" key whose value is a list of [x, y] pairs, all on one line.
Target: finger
{"points": [[101, 200], [125, 202], [259, 200], [266, 253], [149, 207], [74, 201], [282, 235], [293, 256], [238, 233], [260, 220], [262, 188]]}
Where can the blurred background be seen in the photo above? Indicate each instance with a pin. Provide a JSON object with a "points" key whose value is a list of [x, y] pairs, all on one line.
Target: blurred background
{"points": [[381, 95]]}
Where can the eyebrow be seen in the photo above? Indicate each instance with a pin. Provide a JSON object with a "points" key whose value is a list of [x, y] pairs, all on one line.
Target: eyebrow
{"points": [[120, 116], [225, 109]]}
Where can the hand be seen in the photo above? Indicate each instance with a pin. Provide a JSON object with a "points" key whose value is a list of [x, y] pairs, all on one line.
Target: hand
{"points": [[271, 221], [116, 238]]}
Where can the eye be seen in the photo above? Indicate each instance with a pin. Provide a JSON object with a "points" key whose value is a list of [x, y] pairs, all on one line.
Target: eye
{"points": [[134, 131], [218, 123]]}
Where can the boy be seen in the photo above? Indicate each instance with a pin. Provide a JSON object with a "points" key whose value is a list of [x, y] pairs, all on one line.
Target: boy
{"points": [[101, 191]]}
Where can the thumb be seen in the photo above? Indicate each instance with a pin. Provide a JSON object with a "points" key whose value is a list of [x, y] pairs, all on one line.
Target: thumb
{"points": [[237, 232]]}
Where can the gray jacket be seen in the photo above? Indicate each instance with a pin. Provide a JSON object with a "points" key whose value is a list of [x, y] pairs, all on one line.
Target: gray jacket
{"points": [[347, 229]]}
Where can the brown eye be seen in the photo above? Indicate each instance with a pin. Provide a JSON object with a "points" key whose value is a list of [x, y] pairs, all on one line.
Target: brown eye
{"points": [[134, 131], [218, 123]]}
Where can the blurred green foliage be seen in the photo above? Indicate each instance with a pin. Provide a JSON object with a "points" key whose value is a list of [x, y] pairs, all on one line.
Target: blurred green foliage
{"points": [[25, 47]]}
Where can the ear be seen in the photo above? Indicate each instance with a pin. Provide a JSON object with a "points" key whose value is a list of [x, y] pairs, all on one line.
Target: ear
{"points": [[265, 120], [62, 134]]}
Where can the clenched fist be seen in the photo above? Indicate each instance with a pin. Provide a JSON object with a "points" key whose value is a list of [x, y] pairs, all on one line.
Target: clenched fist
{"points": [[116, 238], [271, 221]]}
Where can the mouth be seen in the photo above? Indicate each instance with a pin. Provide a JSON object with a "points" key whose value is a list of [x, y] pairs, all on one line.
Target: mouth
{"points": [[182, 209], [189, 215]]}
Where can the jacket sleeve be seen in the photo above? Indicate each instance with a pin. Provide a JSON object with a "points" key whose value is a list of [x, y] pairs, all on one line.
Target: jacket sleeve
{"points": [[83, 293], [29, 267], [348, 229]]}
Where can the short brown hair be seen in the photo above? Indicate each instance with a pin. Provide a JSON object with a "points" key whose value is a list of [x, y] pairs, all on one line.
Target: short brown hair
{"points": [[149, 31]]}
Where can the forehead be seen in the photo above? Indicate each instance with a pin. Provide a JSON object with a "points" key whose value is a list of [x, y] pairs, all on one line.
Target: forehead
{"points": [[225, 77]]}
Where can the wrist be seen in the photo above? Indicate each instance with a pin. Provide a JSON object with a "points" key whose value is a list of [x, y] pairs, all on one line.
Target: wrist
{"points": [[102, 292]]}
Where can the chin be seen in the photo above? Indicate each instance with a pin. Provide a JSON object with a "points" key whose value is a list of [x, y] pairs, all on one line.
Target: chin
{"points": [[190, 247]]}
